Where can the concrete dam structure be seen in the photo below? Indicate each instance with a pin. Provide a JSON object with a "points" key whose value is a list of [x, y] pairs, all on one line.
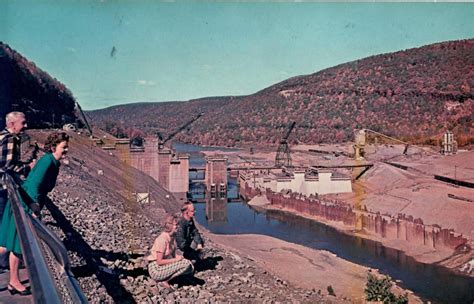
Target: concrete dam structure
{"points": [[398, 226], [169, 169]]}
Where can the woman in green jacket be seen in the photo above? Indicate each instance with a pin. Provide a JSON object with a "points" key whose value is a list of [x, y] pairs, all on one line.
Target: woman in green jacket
{"points": [[38, 184]]}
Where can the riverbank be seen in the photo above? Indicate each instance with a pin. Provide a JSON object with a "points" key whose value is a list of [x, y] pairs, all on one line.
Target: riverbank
{"points": [[420, 253], [303, 267], [410, 189]]}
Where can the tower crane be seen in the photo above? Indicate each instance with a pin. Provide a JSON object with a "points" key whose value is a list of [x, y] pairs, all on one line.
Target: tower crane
{"points": [[283, 157], [162, 142]]}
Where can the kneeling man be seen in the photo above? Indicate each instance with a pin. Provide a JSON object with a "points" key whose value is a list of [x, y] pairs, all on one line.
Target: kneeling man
{"points": [[188, 238]]}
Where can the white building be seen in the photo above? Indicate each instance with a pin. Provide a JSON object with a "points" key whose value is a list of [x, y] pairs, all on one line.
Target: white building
{"points": [[312, 181], [449, 145]]}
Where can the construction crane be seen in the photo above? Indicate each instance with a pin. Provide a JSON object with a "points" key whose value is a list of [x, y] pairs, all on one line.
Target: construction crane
{"points": [[80, 114], [283, 157], [162, 142], [361, 137]]}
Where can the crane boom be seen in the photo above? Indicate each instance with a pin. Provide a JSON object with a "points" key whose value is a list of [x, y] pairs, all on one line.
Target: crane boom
{"points": [[173, 134], [361, 138], [290, 129], [82, 117], [386, 136]]}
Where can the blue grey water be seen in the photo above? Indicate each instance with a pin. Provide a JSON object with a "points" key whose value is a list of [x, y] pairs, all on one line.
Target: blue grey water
{"points": [[196, 158], [431, 282]]}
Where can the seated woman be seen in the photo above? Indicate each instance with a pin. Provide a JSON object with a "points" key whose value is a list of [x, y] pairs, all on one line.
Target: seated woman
{"points": [[165, 264], [39, 183]]}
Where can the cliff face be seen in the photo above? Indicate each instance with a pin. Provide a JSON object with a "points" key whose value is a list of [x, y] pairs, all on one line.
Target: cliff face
{"points": [[25, 87], [414, 95]]}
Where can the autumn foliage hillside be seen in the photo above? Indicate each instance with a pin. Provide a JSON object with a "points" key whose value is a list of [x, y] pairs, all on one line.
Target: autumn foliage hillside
{"points": [[25, 87], [413, 95]]}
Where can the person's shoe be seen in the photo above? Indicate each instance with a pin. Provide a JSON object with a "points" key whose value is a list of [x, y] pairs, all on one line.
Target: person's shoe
{"points": [[13, 291], [165, 285], [192, 280]]}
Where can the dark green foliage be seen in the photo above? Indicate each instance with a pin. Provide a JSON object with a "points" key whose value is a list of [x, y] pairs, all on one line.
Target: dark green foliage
{"points": [[115, 129], [331, 291], [380, 290], [137, 141]]}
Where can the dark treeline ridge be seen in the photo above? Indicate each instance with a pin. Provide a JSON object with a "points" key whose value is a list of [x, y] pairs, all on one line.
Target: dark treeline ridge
{"points": [[413, 95], [25, 87]]}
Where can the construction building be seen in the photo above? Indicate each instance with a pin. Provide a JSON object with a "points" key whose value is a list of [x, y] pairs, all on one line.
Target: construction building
{"points": [[145, 158], [311, 181], [173, 171], [449, 145], [216, 174], [170, 170]]}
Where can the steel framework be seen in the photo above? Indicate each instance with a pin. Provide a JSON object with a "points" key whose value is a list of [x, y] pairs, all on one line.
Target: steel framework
{"points": [[283, 156]]}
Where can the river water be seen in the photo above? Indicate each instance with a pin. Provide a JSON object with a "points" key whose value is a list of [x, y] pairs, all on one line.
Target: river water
{"points": [[432, 283]]}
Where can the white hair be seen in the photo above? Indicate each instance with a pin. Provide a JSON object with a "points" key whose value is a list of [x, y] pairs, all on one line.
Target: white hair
{"points": [[14, 116]]}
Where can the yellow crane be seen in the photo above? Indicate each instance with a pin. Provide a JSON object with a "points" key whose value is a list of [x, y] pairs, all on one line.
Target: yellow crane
{"points": [[361, 139]]}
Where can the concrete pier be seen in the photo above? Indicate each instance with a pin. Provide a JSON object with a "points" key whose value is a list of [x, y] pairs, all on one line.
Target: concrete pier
{"points": [[216, 174]]}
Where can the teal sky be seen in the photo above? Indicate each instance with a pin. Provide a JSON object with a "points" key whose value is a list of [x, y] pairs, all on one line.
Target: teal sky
{"points": [[181, 51]]}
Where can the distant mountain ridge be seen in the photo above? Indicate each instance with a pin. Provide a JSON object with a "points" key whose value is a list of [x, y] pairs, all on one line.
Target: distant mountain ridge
{"points": [[414, 95], [25, 87]]}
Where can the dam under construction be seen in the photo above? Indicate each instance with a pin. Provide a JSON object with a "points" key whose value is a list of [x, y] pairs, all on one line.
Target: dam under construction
{"points": [[210, 177], [326, 150]]}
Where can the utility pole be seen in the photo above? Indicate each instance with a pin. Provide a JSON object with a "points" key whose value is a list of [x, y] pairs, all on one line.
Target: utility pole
{"points": [[455, 177], [254, 180]]}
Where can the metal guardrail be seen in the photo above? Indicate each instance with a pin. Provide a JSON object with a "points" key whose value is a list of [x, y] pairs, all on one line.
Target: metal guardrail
{"points": [[45, 256]]}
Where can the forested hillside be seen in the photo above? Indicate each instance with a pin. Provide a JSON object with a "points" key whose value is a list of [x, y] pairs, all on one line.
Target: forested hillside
{"points": [[25, 87], [413, 95]]}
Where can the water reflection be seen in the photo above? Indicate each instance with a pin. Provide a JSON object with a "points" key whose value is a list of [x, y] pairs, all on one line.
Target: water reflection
{"points": [[216, 209]]}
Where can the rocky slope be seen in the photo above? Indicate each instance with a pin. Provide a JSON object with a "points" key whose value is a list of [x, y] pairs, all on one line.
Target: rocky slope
{"points": [[414, 95], [108, 234]]}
